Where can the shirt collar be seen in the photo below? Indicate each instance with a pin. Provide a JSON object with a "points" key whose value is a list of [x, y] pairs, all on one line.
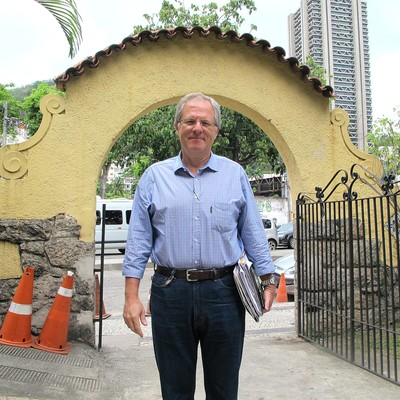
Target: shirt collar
{"points": [[212, 163]]}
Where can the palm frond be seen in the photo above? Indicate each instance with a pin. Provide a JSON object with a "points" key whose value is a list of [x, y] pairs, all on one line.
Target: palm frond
{"points": [[67, 15]]}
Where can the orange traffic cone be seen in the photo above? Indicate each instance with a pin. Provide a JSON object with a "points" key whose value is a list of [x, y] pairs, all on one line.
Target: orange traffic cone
{"points": [[281, 296], [16, 329], [148, 312], [53, 336], [103, 309]]}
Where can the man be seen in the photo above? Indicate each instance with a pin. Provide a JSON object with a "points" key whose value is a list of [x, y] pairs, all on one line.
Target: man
{"points": [[195, 215]]}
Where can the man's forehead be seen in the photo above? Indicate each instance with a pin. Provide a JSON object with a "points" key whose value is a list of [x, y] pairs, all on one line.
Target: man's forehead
{"points": [[198, 104]]}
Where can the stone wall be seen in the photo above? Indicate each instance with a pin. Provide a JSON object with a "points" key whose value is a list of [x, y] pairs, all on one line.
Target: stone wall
{"points": [[52, 247]]}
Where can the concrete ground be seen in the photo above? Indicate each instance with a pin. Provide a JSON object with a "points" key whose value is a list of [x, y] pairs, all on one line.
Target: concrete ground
{"points": [[276, 363]]}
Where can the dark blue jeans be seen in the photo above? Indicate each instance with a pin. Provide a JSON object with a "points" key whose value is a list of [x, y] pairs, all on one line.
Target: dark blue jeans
{"points": [[185, 314]]}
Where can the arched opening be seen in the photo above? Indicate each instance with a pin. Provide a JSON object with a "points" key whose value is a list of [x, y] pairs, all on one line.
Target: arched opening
{"points": [[56, 171]]}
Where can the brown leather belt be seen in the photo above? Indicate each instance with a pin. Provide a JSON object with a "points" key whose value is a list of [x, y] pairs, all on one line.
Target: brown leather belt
{"points": [[194, 275]]}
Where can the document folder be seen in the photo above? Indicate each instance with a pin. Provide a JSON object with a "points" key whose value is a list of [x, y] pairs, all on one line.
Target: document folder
{"points": [[248, 285]]}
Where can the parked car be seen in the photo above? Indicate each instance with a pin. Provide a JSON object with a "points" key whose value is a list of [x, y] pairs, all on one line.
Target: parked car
{"points": [[285, 235], [286, 265], [272, 233]]}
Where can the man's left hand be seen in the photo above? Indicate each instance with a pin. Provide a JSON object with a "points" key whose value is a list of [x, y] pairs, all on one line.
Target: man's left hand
{"points": [[269, 295]]}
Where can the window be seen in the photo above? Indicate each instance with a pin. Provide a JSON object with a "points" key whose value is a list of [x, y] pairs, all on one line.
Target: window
{"points": [[267, 223], [113, 217]]}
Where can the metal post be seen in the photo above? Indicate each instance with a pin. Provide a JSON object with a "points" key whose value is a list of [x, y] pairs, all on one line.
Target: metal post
{"points": [[103, 234], [5, 111]]}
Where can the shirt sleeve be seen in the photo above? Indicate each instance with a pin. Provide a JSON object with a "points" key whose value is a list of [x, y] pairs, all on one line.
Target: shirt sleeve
{"points": [[252, 232], [140, 235]]}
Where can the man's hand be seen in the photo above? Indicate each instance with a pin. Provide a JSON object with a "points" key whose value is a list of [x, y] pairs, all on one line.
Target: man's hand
{"points": [[269, 294], [134, 312]]}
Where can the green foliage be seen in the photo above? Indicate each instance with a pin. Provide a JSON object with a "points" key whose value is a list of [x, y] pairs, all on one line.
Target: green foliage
{"points": [[227, 17], [316, 70], [24, 91], [116, 189], [384, 142], [153, 138], [31, 105], [14, 108], [149, 139], [241, 140], [67, 15]]}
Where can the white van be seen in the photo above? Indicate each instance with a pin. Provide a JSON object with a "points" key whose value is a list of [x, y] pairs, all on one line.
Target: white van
{"points": [[118, 214], [271, 231], [116, 219]]}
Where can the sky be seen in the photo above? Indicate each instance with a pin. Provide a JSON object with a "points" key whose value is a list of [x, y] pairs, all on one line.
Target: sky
{"points": [[33, 46]]}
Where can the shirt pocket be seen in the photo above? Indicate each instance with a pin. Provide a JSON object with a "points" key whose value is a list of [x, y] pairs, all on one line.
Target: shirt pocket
{"points": [[224, 217]]}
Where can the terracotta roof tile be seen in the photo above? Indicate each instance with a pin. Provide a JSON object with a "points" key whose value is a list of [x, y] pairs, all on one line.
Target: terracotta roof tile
{"points": [[188, 33]]}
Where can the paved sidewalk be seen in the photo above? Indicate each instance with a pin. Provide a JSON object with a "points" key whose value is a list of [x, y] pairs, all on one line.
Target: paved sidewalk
{"points": [[276, 364]]}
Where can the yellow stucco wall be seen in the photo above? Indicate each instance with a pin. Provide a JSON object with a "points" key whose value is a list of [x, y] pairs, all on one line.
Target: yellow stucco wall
{"points": [[9, 253], [57, 170]]}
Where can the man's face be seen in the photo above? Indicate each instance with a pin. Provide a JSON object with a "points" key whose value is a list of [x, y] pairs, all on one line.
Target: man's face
{"points": [[197, 130]]}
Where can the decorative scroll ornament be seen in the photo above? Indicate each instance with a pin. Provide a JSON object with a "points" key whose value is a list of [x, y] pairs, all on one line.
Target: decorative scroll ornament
{"points": [[13, 158], [15, 165], [340, 118]]}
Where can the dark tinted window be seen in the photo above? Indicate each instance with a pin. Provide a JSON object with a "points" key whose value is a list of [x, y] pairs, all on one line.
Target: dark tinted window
{"points": [[98, 218], [113, 217], [128, 216], [267, 223]]}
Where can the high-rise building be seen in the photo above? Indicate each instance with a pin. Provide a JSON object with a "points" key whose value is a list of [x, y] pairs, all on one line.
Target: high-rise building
{"points": [[335, 34]]}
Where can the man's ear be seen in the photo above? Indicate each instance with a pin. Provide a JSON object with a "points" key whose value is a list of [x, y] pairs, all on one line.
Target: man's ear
{"points": [[176, 127]]}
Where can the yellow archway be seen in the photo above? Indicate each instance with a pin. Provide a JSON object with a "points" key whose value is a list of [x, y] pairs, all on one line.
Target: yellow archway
{"points": [[56, 171]]}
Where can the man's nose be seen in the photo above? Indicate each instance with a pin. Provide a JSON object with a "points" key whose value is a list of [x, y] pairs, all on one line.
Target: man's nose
{"points": [[198, 125]]}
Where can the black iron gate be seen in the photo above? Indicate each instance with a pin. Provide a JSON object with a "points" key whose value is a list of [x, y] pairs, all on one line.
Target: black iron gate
{"points": [[348, 270]]}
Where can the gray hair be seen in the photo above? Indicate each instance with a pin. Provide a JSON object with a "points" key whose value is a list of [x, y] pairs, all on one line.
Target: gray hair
{"points": [[198, 96]]}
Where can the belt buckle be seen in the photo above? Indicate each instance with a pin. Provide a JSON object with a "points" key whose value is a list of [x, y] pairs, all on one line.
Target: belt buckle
{"points": [[188, 278]]}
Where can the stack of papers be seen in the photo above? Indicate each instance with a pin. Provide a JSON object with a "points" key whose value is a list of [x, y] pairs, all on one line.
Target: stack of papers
{"points": [[249, 288]]}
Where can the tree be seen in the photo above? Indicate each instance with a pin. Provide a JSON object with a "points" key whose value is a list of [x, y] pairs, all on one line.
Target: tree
{"points": [[10, 110], [384, 142], [226, 17], [21, 92], [241, 140], [316, 70], [14, 106], [116, 189], [67, 15], [31, 105], [152, 138]]}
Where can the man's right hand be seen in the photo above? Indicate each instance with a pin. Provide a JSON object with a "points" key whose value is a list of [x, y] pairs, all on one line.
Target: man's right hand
{"points": [[134, 312]]}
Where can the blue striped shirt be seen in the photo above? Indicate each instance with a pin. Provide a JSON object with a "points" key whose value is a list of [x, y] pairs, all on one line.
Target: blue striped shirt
{"points": [[204, 221]]}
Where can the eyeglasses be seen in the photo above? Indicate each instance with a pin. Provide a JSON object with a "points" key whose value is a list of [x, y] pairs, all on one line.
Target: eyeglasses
{"points": [[190, 122]]}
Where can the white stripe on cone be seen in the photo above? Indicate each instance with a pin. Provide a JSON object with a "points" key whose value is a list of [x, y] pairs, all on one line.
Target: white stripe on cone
{"points": [[20, 309], [62, 291]]}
